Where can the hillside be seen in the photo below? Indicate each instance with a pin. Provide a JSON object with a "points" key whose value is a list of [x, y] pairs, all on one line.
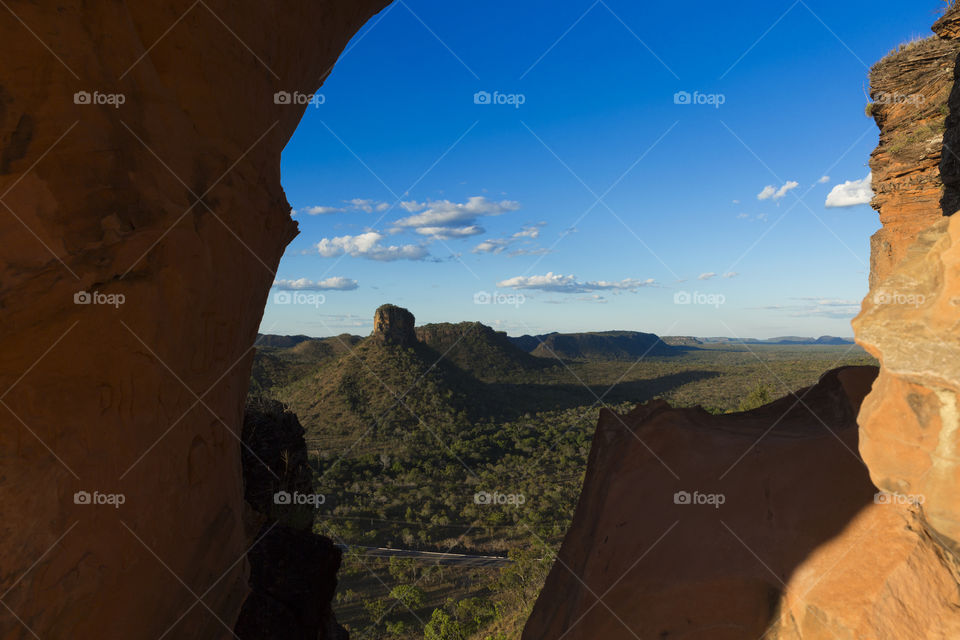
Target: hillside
{"points": [[478, 349], [601, 345], [278, 366], [385, 386]]}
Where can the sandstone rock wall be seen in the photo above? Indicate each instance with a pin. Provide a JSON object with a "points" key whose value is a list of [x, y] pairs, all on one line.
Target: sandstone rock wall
{"points": [[910, 90], [167, 209]]}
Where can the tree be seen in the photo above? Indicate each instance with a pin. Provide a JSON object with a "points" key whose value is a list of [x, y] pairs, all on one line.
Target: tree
{"points": [[443, 627], [409, 596], [761, 395]]}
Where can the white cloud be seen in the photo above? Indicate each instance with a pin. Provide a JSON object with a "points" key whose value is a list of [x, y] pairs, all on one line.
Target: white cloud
{"points": [[824, 180], [321, 211], [558, 283], [491, 245], [730, 274], [444, 213], [445, 233], [337, 283], [772, 193], [357, 204], [363, 204], [706, 276], [526, 235], [368, 245], [743, 216], [532, 232], [412, 206], [851, 193]]}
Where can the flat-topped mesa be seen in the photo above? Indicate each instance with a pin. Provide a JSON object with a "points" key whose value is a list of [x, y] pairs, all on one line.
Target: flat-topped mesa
{"points": [[394, 325]]}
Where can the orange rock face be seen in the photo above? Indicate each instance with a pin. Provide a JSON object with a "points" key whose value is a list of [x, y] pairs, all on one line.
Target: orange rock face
{"points": [[910, 90], [692, 525], [142, 219], [909, 425]]}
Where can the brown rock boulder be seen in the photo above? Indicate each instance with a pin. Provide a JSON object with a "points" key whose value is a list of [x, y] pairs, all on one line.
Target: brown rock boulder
{"points": [[166, 215]]}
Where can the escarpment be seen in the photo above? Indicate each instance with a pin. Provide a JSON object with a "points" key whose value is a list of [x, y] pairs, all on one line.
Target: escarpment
{"points": [[142, 218], [909, 90], [751, 525]]}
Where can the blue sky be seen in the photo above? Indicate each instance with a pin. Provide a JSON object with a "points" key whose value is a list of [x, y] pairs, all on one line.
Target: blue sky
{"points": [[528, 165]]}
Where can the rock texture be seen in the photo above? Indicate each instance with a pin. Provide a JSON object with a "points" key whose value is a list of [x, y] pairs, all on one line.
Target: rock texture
{"points": [[911, 322], [394, 325], [292, 570], [665, 566], [909, 89], [909, 426], [171, 200]]}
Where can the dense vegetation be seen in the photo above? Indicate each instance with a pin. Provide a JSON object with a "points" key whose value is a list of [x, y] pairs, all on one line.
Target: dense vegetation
{"points": [[414, 452]]}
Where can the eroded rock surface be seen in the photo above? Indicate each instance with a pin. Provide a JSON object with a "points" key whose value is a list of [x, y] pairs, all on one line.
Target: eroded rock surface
{"points": [[689, 524], [167, 210], [910, 90], [394, 325]]}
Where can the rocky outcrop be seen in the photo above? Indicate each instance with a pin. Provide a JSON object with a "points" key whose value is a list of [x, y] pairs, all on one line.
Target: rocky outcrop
{"points": [[909, 425], [909, 89], [142, 219], [293, 571], [394, 325], [910, 436], [690, 524]]}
